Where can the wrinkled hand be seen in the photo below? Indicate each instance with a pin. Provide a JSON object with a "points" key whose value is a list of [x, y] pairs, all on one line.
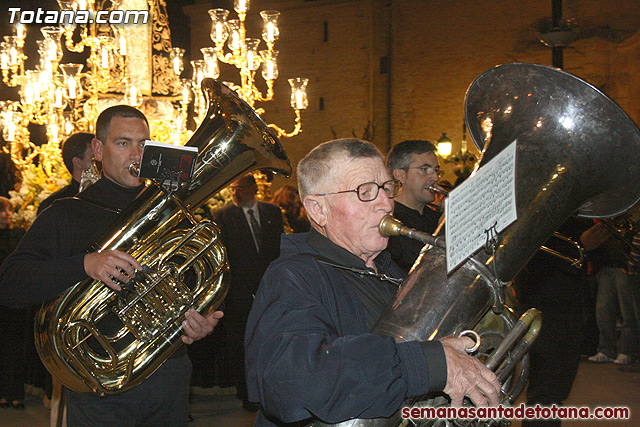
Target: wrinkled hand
{"points": [[467, 376], [595, 236], [196, 326], [108, 265]]}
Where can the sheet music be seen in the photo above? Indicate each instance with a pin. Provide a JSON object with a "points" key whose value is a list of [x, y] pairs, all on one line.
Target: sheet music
{"points": [[483, 204]]}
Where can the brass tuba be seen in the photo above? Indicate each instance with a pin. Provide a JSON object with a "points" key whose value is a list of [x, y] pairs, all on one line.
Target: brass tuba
{"points": [[577, 154], [94, 340]]}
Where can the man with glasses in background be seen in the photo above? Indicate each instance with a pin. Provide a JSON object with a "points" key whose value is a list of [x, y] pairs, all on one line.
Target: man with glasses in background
{"points": [[308, 347], [415, 165]]}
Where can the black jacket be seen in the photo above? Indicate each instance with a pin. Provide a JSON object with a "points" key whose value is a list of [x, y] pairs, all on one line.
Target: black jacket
{"points": [[309, 352], [66, 191], [247, 265], [405, 250], [50, 257]]}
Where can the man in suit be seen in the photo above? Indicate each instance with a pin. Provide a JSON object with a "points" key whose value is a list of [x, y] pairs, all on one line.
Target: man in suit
{"points": [[251, 234]]}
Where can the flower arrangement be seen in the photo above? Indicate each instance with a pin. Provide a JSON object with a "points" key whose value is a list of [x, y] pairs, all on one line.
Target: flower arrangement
{"points": [[217, 201], [35, 187], [545, 25]]}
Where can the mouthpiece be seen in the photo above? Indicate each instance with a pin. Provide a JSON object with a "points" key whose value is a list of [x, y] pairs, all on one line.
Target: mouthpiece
{"points": [[435, 189], [134, 169], [389, 226]]}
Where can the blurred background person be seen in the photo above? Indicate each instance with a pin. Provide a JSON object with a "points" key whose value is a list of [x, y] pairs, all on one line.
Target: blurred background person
{"points": [[14, 323], [9, 175], [295, 218], [559, 290], [77, 155], [251, 233], [615, 300]]}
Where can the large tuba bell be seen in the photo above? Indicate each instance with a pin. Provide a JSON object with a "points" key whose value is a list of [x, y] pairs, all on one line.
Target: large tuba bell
{"points": [[576, 154], [94, 340]]}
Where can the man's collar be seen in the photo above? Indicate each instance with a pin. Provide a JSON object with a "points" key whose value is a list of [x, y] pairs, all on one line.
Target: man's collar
{"points": [[402, 206], [253, 206], [340, 255], [122, 187], [398, 200]]}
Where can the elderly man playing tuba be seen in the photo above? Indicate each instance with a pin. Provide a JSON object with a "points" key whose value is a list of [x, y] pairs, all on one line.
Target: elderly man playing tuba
{"points": [[309, 352]]}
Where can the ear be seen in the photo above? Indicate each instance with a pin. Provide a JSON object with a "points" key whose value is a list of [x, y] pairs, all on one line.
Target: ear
{"points": [[400, 175], [96, 146], [316, 209], [76, 162]]}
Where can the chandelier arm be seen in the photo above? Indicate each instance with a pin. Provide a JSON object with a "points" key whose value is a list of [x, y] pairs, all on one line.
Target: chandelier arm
{"points": [[17, 73], [5, 77], [268, 96], [68, 40], [296, 129]]}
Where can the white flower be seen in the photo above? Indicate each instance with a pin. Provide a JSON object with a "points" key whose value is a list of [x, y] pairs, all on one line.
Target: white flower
{"points": [[30, 214], [43, 195]]}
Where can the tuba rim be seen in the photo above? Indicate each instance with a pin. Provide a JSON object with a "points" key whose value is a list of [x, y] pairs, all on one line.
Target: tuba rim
{"points": [[538, 102]]}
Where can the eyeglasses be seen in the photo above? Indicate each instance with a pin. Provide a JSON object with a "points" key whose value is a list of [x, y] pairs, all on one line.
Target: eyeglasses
{"points": [[368, 191], [428, 170]]}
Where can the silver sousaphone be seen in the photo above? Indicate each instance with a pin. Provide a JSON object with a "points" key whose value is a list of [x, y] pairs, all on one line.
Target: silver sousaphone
{"points": [[577, 153]]}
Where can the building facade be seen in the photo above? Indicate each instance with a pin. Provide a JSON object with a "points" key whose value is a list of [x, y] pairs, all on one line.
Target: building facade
{"points": [[393, 70]]}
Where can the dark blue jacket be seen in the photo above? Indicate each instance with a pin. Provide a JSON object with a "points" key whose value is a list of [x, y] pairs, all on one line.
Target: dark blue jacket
{"points": [[309, 352]]}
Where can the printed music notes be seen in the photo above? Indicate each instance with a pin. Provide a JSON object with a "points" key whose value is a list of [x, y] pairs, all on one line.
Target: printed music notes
{"points": [[484, 203]]}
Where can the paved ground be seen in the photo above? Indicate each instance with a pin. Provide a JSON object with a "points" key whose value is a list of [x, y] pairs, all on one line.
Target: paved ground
{"points": [[596, 385]]}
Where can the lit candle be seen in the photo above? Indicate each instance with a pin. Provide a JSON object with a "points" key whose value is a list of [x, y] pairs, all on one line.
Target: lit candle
{"points": [[28, 94], [11, 132], [185, 95], [177, 65], [219, 32], [53, 129], [72, 87], [20, 30], [58, 98], [234, 40], [44, 81], [133, 95], [52, 51], [270, 67], [48, 70], [242, 6], [4, 61], [299, 100], [270, 31], [68, 127], [123, 45], [13, 56], [251, 60], [105, 58]]}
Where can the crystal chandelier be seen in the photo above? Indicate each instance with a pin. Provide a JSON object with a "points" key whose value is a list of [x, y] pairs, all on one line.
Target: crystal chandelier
{"points": [[68, 97], [244, 53]]}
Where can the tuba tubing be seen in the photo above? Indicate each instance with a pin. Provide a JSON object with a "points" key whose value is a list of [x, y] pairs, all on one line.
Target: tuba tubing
{"points": [[97, 341]]}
